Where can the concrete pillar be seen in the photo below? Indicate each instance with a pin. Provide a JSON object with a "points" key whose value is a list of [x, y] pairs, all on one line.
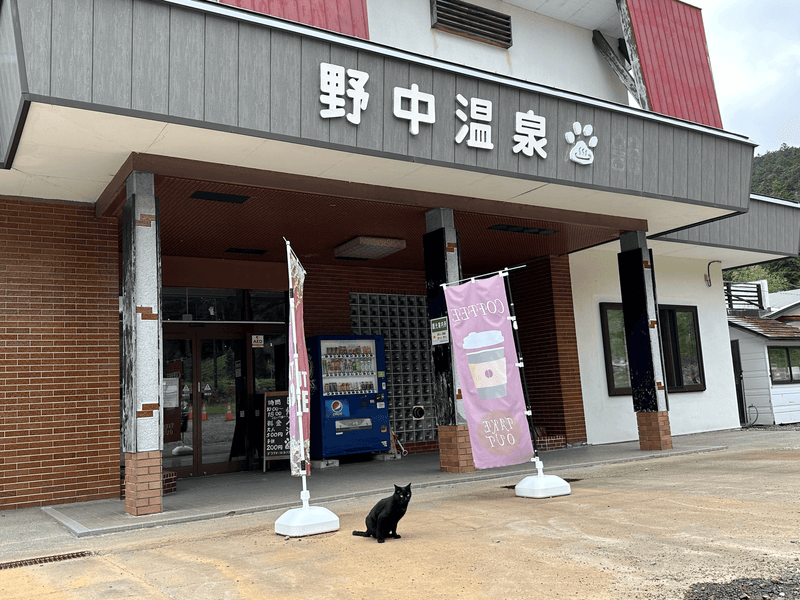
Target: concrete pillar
{"points": [[142, 414], [645, 358], [443, 265]]}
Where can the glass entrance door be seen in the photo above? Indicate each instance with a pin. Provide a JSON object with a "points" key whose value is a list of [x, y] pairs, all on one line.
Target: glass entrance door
{"points": [[179, 397], [222, 399], [204, 391], [215, 377]]}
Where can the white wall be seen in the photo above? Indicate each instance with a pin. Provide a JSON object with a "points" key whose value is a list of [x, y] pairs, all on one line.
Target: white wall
{"points": [[786, 403], [757, 384], [544, 51], [595, 279]]}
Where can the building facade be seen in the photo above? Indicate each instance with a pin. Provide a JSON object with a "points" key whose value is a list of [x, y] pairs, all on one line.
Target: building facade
{"points": [[156, 153]]}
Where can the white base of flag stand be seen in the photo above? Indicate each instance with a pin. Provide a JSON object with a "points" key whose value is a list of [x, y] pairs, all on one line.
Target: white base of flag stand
{"points": [[308, 520], [541, 485]]}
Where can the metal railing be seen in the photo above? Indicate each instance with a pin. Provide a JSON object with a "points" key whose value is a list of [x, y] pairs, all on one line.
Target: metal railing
{"points": [[743, 296]]}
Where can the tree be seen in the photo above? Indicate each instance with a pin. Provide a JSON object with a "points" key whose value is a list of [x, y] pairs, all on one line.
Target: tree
{"points": [[777, 174], [776, 283]]}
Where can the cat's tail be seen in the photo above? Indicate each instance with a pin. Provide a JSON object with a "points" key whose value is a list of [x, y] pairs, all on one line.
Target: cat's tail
{"points": [[361, 533]]}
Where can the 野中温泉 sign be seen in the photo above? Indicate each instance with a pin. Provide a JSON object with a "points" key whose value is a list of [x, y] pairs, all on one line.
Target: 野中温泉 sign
{"points": [[417, 106], [486, 356], [474, 115]]}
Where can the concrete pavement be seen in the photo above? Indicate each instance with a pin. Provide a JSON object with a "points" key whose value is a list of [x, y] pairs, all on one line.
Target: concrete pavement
{"points": [[250, 492], [631, 528]]}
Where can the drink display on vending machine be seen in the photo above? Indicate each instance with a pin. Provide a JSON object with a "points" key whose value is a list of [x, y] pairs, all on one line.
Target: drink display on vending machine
{"points": [[349, 412]]}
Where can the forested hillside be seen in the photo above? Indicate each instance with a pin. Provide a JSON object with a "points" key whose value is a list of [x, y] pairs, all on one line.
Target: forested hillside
{"points": [[775, 174]]}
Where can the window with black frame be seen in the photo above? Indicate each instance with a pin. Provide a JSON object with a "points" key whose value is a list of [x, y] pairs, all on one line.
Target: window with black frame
{"points": [[680, 339], [784, 364]]}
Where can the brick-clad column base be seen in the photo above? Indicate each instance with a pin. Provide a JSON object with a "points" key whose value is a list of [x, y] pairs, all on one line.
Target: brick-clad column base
{"points": [[455, 449], [654, 431], [143, 484]]}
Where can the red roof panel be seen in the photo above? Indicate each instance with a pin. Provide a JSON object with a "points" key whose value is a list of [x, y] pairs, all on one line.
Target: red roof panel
{"points": [[671, 42], [342, 16]]}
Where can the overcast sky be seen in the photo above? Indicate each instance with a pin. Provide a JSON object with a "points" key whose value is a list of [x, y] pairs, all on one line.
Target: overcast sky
{"points": [[754, 47]]}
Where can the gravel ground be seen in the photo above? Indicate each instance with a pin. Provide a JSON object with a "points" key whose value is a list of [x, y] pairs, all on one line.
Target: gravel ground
{"points": [[787, 427], [786, 585]]}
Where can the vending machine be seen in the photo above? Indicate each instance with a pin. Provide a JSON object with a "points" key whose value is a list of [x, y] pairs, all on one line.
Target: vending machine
{"points": [[349, 412]]}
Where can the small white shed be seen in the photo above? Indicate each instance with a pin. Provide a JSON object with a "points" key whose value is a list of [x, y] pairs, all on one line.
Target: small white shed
{"points": [[766, 357]]}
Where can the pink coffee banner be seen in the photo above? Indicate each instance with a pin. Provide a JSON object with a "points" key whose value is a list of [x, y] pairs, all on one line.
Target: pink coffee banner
{"points": [[486, 356], [299, 447]]}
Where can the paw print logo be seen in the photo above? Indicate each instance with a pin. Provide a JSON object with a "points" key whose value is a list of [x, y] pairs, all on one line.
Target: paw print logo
{"points": [[581, 152]]}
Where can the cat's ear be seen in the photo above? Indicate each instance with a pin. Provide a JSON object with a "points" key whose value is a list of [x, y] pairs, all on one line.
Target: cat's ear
{"points": [[397, 488], [408, 488]]}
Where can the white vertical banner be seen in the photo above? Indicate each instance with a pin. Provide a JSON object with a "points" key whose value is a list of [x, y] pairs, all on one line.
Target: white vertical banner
{"points": [[299, 417]]}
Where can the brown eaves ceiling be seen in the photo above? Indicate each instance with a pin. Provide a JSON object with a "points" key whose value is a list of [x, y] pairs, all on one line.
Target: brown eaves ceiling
{"points": [[315, 222]]}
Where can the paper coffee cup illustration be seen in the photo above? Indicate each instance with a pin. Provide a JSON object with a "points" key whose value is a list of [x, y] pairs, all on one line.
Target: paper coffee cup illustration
{"points": [[487, 364]]}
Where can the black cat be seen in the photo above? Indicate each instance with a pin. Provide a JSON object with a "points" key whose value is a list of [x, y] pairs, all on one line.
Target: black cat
{"points": [[382, 519]]}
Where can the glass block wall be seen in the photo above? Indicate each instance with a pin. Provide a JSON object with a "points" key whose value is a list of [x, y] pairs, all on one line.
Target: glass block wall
{"points": [[403, 323]]}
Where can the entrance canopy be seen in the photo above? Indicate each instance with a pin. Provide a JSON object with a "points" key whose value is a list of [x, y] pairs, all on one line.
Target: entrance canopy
{"points": [[218, 100]]}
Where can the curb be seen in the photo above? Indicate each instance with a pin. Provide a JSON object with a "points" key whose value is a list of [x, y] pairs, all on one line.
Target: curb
{"points": [[81, 531]]}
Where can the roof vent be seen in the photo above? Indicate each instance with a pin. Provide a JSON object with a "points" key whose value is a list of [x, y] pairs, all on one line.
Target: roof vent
{"points": [[218, 197], [521, 229], [363, 248], [253, 251], [474, 22]]}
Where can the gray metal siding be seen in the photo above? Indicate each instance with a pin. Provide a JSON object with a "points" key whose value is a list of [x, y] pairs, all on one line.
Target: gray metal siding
{"points": [[180, 64], [112, 48], [601, 171], [509, 102], [151, 39], [10, 85], [221, 72], [71, 63], [254, 77], [443, 131], [285, 87], [186, 65], [766, 227], [395, 131], [36, 23]]}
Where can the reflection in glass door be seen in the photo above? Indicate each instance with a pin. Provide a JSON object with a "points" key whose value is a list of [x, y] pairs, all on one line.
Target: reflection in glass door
{"points": [[178, 386], [222, 399], [269, 365]]}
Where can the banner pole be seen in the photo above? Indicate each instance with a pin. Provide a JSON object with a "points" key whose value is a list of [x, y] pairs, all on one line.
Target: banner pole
{"points": [[539, 485], [501, 272], [307, 520], [526, 393]]}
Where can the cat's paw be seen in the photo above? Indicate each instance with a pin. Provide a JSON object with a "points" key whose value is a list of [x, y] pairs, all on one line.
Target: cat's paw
{"points": [[396, 536], [381, 541]]}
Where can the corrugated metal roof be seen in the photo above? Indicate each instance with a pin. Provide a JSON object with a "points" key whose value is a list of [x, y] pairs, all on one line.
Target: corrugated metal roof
{"points": [[783, 300], [342, 16], [671, 42], [768, 328]]}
